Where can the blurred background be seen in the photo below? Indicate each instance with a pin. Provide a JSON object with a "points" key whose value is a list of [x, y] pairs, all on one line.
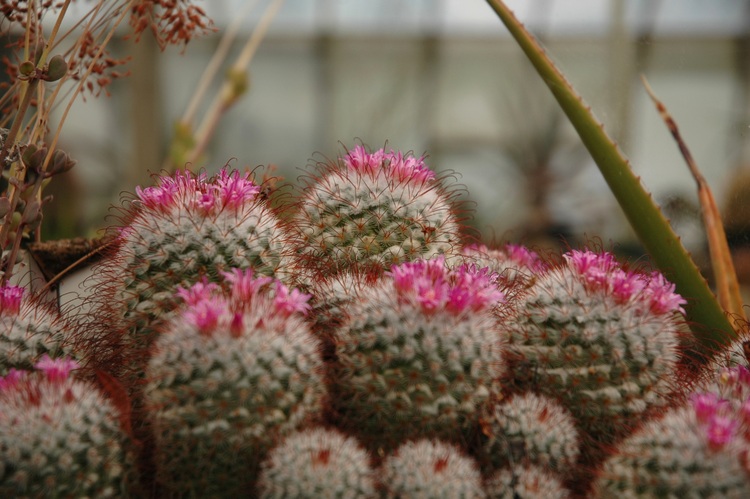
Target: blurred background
{"points": [[443, 77]]}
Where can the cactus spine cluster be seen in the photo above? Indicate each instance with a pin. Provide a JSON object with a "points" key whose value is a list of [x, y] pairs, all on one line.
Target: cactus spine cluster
{"points": [[317, 463], [602, 339], [374, 209], [430, 468], [525, 482], [233, 371], [60, 437], [419, 352], [29, 330]]}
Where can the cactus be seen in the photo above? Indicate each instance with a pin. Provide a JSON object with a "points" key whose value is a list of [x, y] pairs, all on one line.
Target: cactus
{"points": [[374, 209], [418, 353], [29, 329], [697, 450], [186, 228], [232, 372], [525, 482], [60, 437], [514, 264], [602, 339], [531, 429], [430, 469], [317, 463]]}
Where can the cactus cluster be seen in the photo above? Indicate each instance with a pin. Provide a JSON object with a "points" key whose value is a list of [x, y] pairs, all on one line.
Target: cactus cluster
{"points": [[402, 365], [59, 436], [233, 370], [186, 228]]}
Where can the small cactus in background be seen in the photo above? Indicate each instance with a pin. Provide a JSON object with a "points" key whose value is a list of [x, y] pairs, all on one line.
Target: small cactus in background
{"points": [[317, 463], [602, 339], [430, 469], [230, 374], [515, 265], [525, 482], [59, 437], [186, 228], [374, 209], [29, 329], [418, 353], [531, 429], [698, 450]]}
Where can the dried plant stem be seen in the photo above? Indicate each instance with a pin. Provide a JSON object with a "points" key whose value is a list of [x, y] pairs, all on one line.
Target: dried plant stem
{"points": [[235, 84], [727, 286]]}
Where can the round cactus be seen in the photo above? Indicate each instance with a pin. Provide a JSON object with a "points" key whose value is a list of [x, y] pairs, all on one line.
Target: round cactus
{"points": [[531, 429], [60, 437], [601, 339], [231, 373], [694, 451], [418, 353], [430, 469], [317, 463], [375, 209], [525, 482], [29, 329], [186, 228]]}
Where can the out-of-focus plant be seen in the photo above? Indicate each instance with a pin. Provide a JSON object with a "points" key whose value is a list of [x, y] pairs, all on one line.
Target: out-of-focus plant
{"points": [[707, 319], [44, 76]]}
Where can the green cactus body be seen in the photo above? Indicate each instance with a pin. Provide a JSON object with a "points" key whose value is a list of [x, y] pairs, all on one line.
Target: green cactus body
{"points": [[602, 340], [230, 375], [28, 330], [317, 463], [531, 429], [187, 228], [695, 451], [60, 437], [418, 353], [374, 209], [430, 469], [525, 482]]}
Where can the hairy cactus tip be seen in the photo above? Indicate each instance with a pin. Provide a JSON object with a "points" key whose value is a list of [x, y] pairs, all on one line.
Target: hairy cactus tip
{"points": [[601, 338], [235, 370], [374, 209], [185, 228], [29, 330], [60, 434], [418, 353], [699, 449]]}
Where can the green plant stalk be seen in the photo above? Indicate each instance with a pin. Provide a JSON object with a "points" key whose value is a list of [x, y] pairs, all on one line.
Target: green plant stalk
{"points": [[707, 320]]}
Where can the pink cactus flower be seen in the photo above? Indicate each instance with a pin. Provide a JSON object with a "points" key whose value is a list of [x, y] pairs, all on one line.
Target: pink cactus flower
{"points": [[10, 299], [720, 431], [56, 369], [12, 379], [289, 302]]}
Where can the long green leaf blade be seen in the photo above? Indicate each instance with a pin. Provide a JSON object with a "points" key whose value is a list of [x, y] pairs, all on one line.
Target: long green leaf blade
{"points": [[708, 321]]}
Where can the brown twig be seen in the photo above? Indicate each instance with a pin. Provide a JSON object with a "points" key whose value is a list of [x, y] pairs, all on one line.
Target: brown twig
{"points": [[727, 285]]}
